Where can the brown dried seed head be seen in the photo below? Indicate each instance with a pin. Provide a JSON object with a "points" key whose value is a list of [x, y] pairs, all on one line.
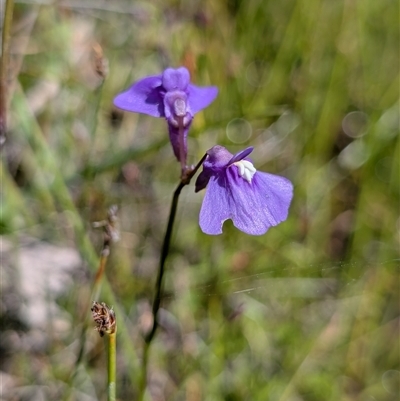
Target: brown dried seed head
{"points": [[104, 317]]}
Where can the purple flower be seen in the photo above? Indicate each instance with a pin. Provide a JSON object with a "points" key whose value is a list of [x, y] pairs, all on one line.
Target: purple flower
{"points": [[254, 200], [169, 95]]}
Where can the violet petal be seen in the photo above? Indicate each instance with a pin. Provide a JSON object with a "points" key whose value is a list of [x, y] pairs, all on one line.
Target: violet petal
{"points": [[143, 97], [259, 205], [253, 207], [215, 208], [241, 155], [175, 79], [200, 98]]}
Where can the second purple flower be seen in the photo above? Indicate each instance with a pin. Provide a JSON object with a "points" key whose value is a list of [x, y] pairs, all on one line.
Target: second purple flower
{"points": [[254, 200], [169, 95]]}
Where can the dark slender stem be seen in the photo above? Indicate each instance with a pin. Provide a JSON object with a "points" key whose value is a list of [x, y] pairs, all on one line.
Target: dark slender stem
{"points": [[187, 175], [163, 258], [185, 180]]}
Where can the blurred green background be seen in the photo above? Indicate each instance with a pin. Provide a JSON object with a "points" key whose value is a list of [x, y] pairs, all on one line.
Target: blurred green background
{"points": [[307, 312]]}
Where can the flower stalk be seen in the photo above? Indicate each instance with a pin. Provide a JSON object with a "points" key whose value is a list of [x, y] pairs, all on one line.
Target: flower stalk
{"points": [[112, 368], [185, 180], [187, 175], [110, 235], [4, 68], [106, 323]]}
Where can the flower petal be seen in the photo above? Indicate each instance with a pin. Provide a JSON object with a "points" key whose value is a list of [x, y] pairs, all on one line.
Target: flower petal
{"points": [[143, 97], [215, 207], [200, 98], [279, 192], [261, 204], [175, 79], [241, 155]]}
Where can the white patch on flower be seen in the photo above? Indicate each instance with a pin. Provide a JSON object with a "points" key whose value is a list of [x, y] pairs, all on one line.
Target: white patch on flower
{"points": [[246, 169], [180, 107]]}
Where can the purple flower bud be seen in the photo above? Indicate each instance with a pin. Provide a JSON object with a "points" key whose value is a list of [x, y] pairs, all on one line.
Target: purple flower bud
{"points": [[253, 200], [169, 95]]}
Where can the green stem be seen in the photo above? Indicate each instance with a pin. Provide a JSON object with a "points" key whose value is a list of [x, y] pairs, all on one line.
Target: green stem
{"points": [[8, 14], [112, 368], [94, 296], [143, 375]]}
